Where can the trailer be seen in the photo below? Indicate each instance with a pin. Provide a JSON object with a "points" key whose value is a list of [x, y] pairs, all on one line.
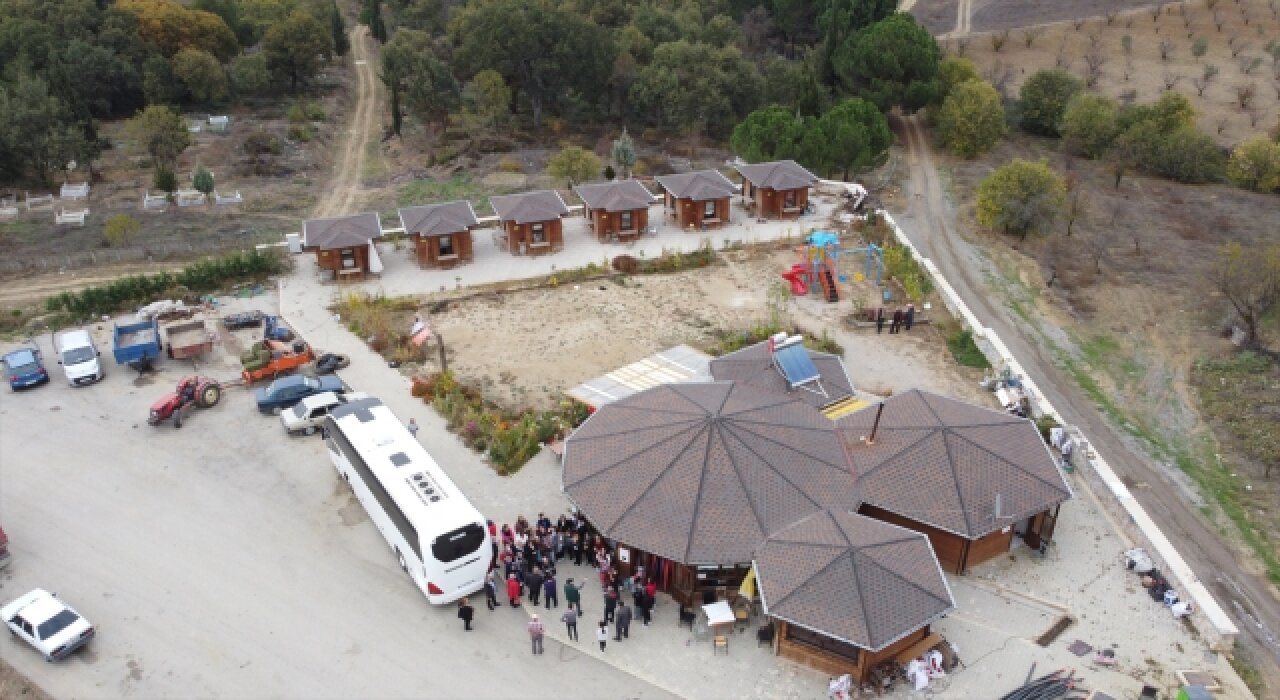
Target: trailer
{"points": [[136, 344], [188, 339], [268, 359]]}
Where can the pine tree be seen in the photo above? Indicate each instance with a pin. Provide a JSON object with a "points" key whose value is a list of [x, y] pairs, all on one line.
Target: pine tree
{"points": [[340, 42], [624, 152]]}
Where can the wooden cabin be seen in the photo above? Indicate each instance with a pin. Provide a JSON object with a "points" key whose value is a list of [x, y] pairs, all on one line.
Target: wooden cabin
{"points": [[616, 210], [531, 223], [698, 200], [440, 233], [776, 190], [344, 244], [836, 658]]}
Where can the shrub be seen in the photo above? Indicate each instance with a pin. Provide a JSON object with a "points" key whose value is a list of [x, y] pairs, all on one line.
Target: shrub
{"points": [[1188, 155], [164, 180], [626, 264], [510, 165], [965, 351], [202, 180], [1043, 100], [120, 229], [300, 132], [1020, 198], [1255, 164], [971, 120], [1089, 125]]}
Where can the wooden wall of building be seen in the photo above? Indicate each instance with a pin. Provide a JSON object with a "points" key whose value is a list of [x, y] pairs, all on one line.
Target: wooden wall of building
{"points": [[690, 213], [769, 203], [427, 249], [606, 222], [518, 233], [332, 259], [955, 553], [989, 547], [835, 664]]}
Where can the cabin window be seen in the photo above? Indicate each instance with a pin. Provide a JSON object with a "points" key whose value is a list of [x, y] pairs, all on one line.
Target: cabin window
{"points": [[789, 199], [626, 221], [446, 245], [709, 209], [817, 641], [539, 233], [348, 259]]}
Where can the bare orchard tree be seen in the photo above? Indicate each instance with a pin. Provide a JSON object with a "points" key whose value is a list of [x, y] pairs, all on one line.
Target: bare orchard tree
{"points": [[1166, 48], [1218, 20], [1255, 115], [1094, 59], [1078, 202], [998, 40], [1245, 94], [1062, 61], [1249, 279], [1221, 125], [1077, 23], [1170, 79], [1275, 85], [1094, 39], [1207, 74], [1128, 68], [1248, 64], [1097, 246], [1111, 16], [1030, 34]]}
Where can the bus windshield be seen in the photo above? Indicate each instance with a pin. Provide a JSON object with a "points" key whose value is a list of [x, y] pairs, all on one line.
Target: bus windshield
{"points": [[457, 544]]}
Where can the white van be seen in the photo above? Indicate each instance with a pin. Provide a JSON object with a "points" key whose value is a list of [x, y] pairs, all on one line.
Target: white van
{"points": [[79, 358]]}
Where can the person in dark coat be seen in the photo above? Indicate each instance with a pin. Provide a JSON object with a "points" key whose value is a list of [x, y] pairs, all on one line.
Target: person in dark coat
{"points": [[534, 582], [572, 596], [465, 613], [549, 591], [910, 316], [490, 591], [610, 602], [646, 608], [897, 321], [570, 620], [880, 320], [622, 622]]}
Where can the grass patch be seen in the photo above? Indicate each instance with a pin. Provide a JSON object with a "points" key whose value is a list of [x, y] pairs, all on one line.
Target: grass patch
{"points": [[966, 351], [1248, 672], [732, 340], [421, 192]]}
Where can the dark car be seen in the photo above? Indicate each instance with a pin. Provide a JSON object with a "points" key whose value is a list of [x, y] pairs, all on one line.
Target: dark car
{"points": [[246, 319], [329, 363], [24, 368], [287, 391]]}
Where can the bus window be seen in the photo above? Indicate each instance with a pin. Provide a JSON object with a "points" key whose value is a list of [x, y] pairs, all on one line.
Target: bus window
{"points": [[458, 544]]}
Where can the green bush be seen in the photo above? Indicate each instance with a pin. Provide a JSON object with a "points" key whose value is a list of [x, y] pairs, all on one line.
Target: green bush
{"points": [[966, 351], [199, 277], [164, 180], [732, 340]]}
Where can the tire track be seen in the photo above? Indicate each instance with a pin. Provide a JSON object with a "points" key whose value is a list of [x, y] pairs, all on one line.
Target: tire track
{"points": [[343, 191]]}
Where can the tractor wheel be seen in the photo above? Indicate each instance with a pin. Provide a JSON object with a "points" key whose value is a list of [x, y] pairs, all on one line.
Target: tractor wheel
{"points": [[177, 418], [209, 396]]}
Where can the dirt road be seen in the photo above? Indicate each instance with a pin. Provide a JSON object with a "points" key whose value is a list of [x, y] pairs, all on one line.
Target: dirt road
{"points": [[342, 195], [932, 228]]}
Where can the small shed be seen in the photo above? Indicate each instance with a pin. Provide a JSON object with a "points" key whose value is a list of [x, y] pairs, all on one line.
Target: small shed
{"points": [[344, 244], [531, 222], [691, 478], [618, 209], [440, 233], [699, 199], [755, 365], [968, 477], [776, 190], [847, 592]]}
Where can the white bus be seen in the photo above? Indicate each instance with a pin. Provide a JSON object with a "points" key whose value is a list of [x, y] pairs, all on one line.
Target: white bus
{"points": [[439, 537]]}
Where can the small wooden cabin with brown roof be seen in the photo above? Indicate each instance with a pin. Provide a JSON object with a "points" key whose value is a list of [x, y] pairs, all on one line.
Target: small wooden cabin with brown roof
{"points": [[441, 233], [531, 222], [777, 190], [697, 200], [970, 478], [344, 244], [617, 209]]}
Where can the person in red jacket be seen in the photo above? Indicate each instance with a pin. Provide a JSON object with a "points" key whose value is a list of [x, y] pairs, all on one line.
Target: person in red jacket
{"points": [[513, 591]]}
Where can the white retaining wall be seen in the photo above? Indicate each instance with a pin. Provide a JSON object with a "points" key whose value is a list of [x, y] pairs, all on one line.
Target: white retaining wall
{"points": [[1221, 631]]}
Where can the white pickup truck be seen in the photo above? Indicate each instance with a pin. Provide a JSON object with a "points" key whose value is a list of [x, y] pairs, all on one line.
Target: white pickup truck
{"points": [[80, 360]]}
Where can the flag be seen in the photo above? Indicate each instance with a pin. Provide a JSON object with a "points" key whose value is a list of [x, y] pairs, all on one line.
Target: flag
{"points": [[418, 325], [422, 335]]}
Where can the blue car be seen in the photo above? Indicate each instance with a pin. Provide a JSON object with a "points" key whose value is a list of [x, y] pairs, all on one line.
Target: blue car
{"points": [[24, 368], [285, 392]]}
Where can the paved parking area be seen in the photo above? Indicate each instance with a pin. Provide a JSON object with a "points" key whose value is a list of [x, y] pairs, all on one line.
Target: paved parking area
{"points": [[225, 559]]}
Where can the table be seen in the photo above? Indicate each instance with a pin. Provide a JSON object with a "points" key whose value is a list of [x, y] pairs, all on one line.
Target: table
{"points": [[718, 613]]}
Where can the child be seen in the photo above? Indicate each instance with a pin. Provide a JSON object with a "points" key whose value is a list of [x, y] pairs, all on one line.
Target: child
{"points": [[602, 634]]}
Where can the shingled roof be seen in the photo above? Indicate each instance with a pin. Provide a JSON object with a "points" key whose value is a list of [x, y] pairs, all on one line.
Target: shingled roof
{"points": [[853, 578], [942, 462], [341, 231], [753, 366], [700, 185], [702, 473], [439, 219], [529, 207], [621, 195], [778, 175]]}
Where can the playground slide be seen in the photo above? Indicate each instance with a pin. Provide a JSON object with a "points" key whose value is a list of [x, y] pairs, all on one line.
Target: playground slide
{"points": [[827, 278], [794, 276]]}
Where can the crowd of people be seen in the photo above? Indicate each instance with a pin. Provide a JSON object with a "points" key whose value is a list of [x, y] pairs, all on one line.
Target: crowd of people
{"points": [[524, 570]]}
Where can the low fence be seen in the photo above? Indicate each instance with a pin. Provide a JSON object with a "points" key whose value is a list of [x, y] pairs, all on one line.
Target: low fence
{"points": [[1139, 526]]}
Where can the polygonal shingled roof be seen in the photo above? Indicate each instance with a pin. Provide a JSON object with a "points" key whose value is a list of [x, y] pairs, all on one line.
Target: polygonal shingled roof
{"points": [[847, 576], [943, 462], [703, 473]]}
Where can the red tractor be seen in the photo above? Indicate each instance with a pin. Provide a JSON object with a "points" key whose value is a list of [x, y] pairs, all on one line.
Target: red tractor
{"points": [[194, 391]]}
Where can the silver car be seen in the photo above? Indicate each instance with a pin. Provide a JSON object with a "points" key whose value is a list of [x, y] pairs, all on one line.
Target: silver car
{"points": [[47, 623], [305, 417]]}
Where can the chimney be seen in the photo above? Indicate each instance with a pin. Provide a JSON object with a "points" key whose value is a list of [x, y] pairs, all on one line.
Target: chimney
{"points": [[876, 426]]}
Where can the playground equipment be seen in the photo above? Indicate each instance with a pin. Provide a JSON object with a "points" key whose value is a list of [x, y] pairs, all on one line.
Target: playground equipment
{"points": [[796, 277], [820, 270]]}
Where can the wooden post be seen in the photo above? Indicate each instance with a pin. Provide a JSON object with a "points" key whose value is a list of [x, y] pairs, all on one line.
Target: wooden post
{"points": [[444, 364]]}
